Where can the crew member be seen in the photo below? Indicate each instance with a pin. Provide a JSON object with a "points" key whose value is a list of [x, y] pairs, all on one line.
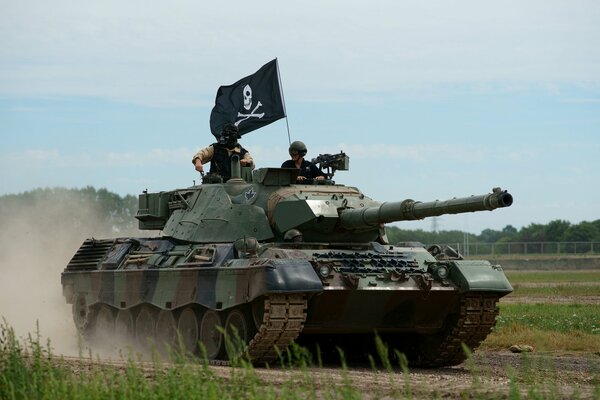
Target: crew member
{"points": [[308, 170], [219, 154]]}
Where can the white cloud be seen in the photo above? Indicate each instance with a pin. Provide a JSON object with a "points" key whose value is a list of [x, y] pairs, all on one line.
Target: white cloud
{"points": [[31, 156], [264, 155], [178, 53], [154, 157], [417, 153], [31, 159], [518, 155]]}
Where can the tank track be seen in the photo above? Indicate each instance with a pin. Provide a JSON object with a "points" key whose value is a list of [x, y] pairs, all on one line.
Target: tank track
{"points": [[476, 319], [282, 322]]}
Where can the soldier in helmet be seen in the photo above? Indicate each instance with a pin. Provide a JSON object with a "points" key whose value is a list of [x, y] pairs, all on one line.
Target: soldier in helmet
{"points": [[308, 170], [293, 235], [219, 153]]}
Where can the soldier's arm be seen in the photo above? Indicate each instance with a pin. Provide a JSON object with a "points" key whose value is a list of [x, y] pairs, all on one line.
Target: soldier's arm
{"points": [[247, 160], [316, 172], [204, 155]]}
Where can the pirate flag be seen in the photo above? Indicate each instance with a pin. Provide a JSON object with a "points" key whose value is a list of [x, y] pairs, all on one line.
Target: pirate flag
{"points": [[250, 103]]}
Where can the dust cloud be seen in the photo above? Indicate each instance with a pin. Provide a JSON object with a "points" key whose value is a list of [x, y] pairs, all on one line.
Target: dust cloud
{"points": [[38, 237]]}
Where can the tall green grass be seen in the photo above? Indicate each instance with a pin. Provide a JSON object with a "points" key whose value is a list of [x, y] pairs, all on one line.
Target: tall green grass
{"points": [[29, 370]]}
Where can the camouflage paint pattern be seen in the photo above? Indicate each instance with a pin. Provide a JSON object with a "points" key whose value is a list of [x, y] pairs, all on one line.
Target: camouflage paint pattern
{"points": [[398, 284], [223, 250]]}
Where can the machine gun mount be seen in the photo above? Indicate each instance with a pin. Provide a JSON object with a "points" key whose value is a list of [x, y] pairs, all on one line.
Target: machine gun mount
{"points": [[332, 163]]}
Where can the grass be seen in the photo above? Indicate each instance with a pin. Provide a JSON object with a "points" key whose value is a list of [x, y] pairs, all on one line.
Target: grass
{"points": [[30, 370], [565, 318], [554, 283], [548, 327], [556, 290], [542, 341], [516, 277]]}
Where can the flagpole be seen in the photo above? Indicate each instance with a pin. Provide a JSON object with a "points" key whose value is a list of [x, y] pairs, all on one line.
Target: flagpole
{"points": [[288, 128], [283, 101]]}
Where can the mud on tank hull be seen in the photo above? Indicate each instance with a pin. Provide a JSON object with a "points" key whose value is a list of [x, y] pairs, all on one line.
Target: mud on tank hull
{"points": [[149, 290]]}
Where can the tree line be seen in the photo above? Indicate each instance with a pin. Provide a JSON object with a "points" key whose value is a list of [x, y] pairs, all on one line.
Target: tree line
{"points": [[554, 231]]}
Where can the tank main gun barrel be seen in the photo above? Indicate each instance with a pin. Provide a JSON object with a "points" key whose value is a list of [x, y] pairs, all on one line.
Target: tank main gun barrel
{"points": [[407, 210]]}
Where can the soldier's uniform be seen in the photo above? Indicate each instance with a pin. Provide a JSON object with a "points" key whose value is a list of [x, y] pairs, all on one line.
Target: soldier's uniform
{"points": [[307, 169], [220, 158]]}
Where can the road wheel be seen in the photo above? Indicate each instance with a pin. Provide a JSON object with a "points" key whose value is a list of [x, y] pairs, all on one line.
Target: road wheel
{"points": [[237, 333], [82, 315], [145, 326], [187, 329], [166, 331], [104, 324], [124, 325], [210, 334]]}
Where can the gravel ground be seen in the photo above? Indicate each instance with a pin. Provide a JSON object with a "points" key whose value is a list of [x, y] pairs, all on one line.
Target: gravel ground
{"points": [[486, 374]]}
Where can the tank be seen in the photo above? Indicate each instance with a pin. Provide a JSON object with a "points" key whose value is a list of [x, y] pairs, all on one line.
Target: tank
{"points": [[269, 261]]}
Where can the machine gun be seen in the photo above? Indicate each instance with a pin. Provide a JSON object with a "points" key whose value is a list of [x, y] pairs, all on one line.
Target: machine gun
{"points": [[332, 163]]}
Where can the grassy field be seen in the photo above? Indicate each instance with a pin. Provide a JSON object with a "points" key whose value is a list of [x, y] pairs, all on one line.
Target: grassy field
{"points": [[554, 283], [546, 325], [29, 370], [560, 290], [516, 277]]}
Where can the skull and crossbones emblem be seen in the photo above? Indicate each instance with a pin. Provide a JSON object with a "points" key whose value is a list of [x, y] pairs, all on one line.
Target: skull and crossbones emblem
{"points": [[247, 93]]}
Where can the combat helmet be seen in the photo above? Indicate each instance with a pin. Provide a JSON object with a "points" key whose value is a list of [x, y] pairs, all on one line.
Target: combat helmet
{"points": [[293, 235], [298, 147]]}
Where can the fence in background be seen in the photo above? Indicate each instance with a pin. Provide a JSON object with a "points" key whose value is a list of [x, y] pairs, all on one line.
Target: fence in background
{"points": [[527, 248]]}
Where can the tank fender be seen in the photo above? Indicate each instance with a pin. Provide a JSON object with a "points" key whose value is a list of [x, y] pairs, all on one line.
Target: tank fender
{"points": [[292, 275], [479, 276]]}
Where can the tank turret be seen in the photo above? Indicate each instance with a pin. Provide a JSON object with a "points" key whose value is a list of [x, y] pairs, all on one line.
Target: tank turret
{"points": [[268, 203]]}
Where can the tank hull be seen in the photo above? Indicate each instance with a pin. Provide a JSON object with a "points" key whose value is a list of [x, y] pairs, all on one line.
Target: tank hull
{"points": [[151, 289]]}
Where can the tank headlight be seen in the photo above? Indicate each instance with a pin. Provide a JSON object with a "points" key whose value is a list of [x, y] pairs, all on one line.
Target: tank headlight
{"points": [[442, 272], [324, 271]]}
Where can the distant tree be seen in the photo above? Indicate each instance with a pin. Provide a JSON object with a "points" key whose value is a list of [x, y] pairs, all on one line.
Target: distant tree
{"points": [[397, 235], [532, 233], [582, 232], [596, 224], [489, 236], [509, 231], [555, 231]]}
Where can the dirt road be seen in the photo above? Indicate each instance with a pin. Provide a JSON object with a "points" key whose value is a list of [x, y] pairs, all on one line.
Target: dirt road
{"points": [[487, 374]]}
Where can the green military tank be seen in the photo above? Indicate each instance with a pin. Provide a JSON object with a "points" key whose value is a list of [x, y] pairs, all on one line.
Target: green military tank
{"points": [[276, 262]]}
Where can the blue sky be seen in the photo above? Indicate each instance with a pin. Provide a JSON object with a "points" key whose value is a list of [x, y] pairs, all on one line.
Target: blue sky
{"points": [[431, 100]]}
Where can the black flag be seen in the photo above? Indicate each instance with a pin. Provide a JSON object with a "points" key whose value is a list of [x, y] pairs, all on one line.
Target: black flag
{"points": [[250, 103]]}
